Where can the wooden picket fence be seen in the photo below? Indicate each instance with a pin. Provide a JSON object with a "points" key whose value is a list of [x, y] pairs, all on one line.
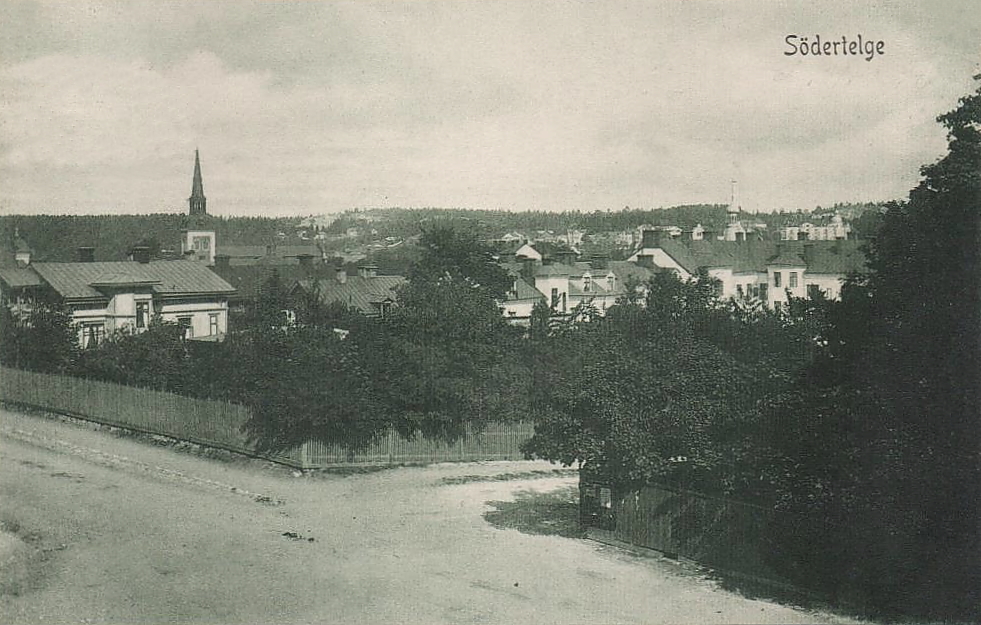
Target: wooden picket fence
{"points": [[717, 532], [220, 424]]}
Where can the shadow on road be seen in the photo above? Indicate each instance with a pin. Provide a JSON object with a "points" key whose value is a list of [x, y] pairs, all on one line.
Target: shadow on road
{"points": [[555, 513]]}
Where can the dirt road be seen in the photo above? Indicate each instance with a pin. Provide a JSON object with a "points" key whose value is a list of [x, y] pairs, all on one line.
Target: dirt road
{"points": [[103, 529]]}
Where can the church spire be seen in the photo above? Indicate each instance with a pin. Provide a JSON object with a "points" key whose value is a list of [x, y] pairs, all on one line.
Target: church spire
{"points": [[197, 201]]}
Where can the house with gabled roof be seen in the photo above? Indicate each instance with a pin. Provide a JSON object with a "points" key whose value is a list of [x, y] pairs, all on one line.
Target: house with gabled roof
{"points": [[368, 293], [770, 272], [106, 297], [564, 287]]}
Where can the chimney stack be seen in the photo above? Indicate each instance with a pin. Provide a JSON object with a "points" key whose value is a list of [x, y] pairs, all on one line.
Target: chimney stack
{"points": [[808, 253], [341, 275], [140, 253], [528, 268], [648, 238], [86, 254]]}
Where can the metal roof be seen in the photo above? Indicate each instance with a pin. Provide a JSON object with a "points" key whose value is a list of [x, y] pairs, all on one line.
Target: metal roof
{"points": [[171, 277], [357, 292], [18, 276]]}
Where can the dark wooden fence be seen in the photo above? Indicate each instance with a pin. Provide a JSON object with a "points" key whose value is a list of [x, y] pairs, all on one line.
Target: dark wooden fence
{"points": [[713, 531], [219, 424]]}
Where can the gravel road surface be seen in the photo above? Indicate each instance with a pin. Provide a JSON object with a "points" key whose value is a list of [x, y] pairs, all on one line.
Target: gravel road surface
{"points": [[99, 528]]}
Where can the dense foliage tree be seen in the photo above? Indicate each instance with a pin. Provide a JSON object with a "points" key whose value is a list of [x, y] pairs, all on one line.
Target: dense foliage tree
{"points": [[307, 383], [884, 440], [661, 390], [155, 358], [42, 340], [454, 360]]}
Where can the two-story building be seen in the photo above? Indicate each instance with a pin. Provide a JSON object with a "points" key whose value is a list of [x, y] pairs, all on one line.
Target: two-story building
{"points": [[768, 271], [565, 286]]}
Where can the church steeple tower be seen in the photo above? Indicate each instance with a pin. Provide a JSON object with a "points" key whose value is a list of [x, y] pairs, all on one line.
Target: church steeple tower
{"points": [[198, 203], [198, 234]]}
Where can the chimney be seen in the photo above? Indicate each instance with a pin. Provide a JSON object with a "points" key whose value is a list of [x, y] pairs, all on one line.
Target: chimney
{"points": [[566, 257], [808, 253], [341, 275], [141, 254], [647, 238], [86, 254], [528, 268]]}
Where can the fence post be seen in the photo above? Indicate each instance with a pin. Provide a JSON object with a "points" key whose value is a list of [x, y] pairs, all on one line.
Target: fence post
{"points": [[305, 455], [391, 445]]}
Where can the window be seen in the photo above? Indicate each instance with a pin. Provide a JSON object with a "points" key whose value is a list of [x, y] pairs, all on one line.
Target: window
{"points": [[92, 334], [187, 329], [776, 279], [213, 324], [793, 280], [814, 291], [555, 297], [587, 281], [739, 291], [201, 244], [142, 314]]}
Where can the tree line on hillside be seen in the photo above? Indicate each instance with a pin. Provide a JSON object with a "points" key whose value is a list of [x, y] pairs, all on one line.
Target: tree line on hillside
{"points": [[404, 222], [56, 238]]}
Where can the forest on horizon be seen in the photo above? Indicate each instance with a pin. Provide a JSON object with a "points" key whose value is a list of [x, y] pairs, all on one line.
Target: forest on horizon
{"points": [[55, 238]]}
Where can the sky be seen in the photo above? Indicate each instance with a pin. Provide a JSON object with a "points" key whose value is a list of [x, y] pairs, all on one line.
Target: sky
{"points": [[303, 108]]}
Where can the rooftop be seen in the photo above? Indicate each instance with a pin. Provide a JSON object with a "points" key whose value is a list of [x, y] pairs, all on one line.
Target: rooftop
{"points": [[166, 277]]}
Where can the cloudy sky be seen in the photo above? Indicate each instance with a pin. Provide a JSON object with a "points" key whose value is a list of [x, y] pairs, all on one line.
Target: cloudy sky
{"points": [[314, 107]]}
